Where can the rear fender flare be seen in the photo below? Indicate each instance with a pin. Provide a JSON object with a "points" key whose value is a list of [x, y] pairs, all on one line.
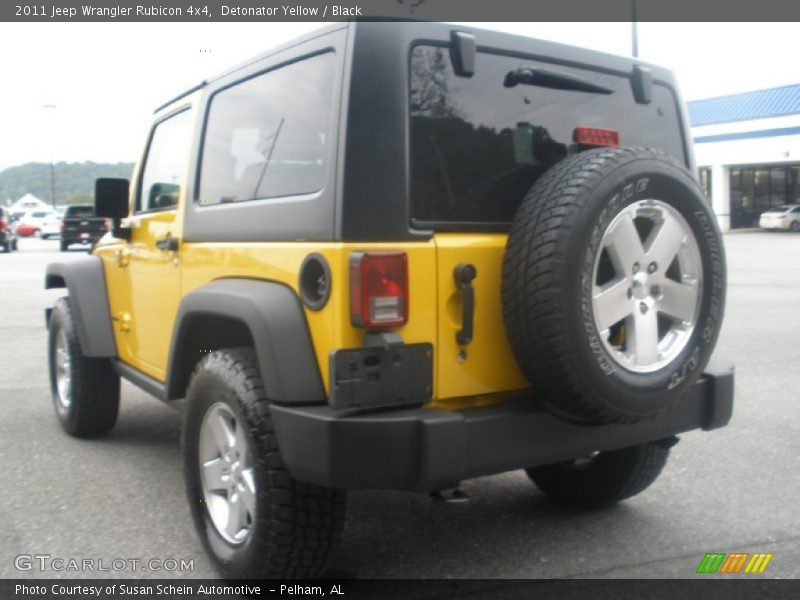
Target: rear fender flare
{"points": [[276, 322]]}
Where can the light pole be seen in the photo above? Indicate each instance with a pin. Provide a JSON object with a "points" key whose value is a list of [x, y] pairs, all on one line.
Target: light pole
{"points": [[52, 166], [634, 31]]}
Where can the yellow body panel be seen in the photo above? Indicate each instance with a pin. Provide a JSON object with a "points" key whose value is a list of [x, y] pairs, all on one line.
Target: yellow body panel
{"points": [[486, 365], [162, 278], [330, 327], [144, 286]]}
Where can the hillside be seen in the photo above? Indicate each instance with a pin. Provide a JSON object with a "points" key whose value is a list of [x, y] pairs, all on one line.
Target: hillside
{"points": [[72, 180]]}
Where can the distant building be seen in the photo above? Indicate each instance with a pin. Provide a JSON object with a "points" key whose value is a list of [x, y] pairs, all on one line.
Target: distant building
{"points": [[747, 148], [28, 202]]}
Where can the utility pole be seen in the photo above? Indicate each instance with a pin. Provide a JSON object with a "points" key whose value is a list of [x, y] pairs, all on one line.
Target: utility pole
{"points": [[52, 183], [634, 32], [52, 166]]}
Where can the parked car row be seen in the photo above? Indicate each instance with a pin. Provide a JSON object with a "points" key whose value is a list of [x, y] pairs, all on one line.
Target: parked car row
{"points": [[77, 225]]}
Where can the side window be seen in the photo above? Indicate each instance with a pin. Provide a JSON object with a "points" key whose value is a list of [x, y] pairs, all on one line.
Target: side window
{"points": [[165, 164], [269, 136]]}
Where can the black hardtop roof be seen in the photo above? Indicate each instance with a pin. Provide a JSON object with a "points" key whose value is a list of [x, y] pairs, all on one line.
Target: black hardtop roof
{"points": [[485, 38]]}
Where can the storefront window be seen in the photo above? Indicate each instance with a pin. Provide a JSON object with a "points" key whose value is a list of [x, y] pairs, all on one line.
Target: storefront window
{"points": [[756, 189]]}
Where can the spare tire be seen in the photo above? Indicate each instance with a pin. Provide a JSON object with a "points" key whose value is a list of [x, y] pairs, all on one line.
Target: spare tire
{"points": [[613, 285]]}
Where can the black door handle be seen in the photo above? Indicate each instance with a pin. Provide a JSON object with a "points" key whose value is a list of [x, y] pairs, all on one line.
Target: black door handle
{"points": [[168, 243], [464, 274]]}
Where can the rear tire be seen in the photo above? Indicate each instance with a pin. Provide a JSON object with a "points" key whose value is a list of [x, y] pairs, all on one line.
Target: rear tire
{"points": [[604, 479], [64, 246], [281, 528], [85, 390], [795, 226]]}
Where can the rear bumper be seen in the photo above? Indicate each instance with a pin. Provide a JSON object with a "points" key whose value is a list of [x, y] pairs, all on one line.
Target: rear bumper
{"points": [[429, 449], [75, 238]]}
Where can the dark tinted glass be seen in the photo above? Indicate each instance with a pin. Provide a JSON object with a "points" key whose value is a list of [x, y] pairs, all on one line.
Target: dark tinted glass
{"points": [[268, 136], [79, 211], [777, 186], [477, 146], [166, 163]]}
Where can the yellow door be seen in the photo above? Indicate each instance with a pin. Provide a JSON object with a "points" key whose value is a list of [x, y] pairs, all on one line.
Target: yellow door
{"points": [[154, 266]]}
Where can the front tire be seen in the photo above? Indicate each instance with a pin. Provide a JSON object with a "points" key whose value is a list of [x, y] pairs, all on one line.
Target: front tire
{"points": [[254, 519], [85, 390], [64, 246], [604, 478]]}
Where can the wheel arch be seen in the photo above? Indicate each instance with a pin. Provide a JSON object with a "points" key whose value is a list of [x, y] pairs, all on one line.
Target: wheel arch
{"points": [[246, 312], [85, 282]]}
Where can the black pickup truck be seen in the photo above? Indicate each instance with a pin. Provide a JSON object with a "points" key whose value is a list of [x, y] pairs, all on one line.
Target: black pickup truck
{"points": [[81, 226]]}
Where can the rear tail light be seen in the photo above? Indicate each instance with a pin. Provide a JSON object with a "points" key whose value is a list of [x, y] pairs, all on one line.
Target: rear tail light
{"points": [[62, 224], [106, 224], [378, 289], [3, 225], [592, 137]]}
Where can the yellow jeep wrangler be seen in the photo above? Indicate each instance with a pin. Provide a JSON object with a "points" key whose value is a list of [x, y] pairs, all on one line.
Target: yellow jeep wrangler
{"points": [[398, 256]]}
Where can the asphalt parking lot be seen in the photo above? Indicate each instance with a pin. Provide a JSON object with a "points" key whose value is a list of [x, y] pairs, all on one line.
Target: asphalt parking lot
{"points": [[122, 497]]}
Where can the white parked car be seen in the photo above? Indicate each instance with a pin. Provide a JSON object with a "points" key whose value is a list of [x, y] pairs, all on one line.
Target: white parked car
{"points": [[51, 227], [31, 222], [781, 217]]}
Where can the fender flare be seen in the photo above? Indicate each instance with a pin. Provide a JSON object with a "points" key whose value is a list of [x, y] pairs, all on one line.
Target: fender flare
{"points": [[277, 324], [88, 301]]}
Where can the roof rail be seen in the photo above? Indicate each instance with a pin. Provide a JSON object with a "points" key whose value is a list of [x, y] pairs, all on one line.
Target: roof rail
{"points": [[183, 95]]}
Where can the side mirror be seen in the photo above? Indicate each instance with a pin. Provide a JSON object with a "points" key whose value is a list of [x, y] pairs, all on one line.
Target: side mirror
{"points": [[111, 201]]}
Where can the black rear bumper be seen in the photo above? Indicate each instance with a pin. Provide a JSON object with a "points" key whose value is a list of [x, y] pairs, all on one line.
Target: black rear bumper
{"points": [[429, 449]]}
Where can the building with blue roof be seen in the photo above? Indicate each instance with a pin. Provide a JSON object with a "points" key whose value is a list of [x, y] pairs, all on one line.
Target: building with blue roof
{"points": [[747, 148]]}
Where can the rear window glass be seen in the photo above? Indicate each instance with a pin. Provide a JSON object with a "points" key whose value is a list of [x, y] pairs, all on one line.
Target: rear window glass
{"points": [[478, 145], [268, 136], [80, 211]]}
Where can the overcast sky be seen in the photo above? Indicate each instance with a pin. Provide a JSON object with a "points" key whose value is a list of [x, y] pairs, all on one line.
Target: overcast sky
{"points": [[105, 79]]}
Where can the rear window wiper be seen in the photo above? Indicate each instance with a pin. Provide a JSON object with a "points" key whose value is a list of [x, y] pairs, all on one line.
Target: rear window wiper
{"points": [[553, 80]]}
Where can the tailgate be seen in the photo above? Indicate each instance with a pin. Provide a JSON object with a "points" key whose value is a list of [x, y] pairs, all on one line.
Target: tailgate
{"points": [[79, 225], [485, 365]]}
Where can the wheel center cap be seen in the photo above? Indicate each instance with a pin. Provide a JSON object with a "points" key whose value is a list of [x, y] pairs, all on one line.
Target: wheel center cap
{"points": [[640, 288]]}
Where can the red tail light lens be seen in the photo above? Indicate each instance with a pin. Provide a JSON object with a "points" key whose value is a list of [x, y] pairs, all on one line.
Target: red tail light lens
{"points": [[3, 225], [378, 289], [106, 224], [592, 137], [62, 224]]}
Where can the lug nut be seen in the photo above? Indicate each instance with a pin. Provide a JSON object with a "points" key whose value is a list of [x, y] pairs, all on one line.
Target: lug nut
{"points": [[652, 267], [635, 267], [643, 308]]}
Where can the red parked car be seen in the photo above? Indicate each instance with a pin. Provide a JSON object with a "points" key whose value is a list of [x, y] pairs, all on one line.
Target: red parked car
{"points": [[26, 229], [8, 236]]}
